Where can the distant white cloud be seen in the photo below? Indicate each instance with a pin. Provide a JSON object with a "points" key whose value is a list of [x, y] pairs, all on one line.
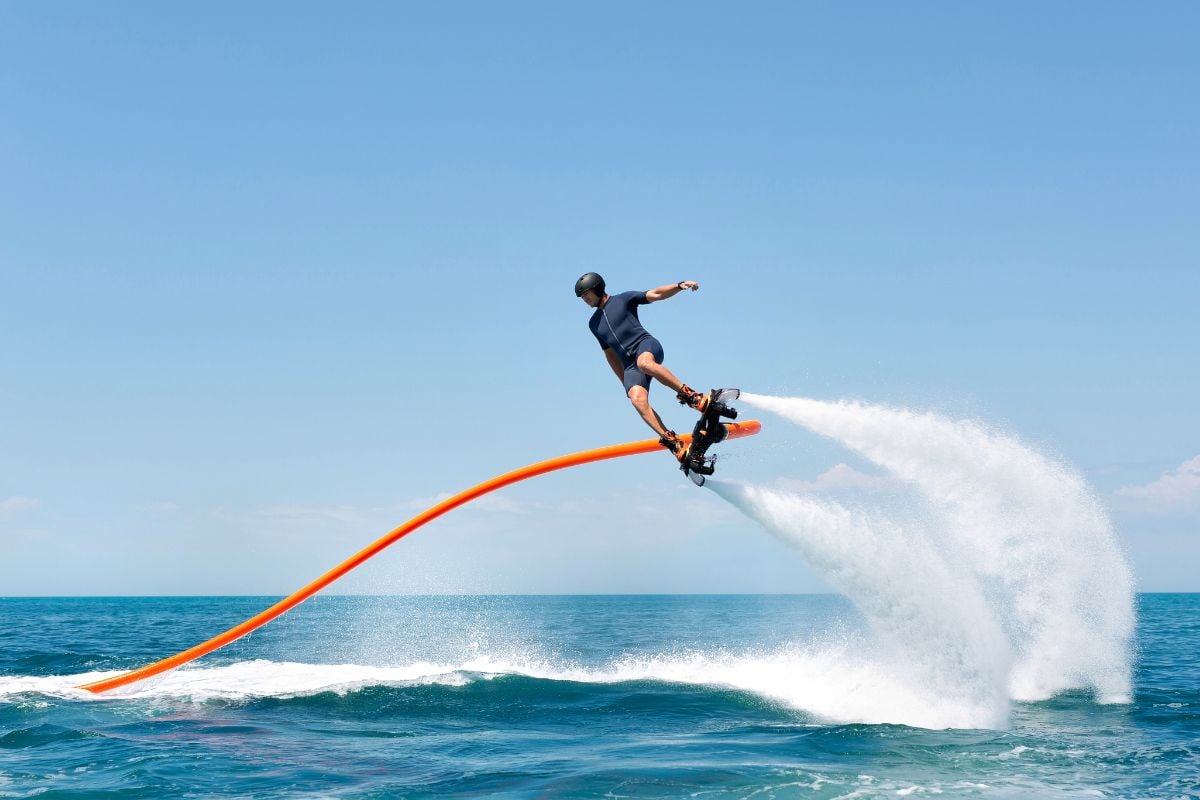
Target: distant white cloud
{"points": [[290, 519], [1177, 490], [839, 477], [157, 508], [11, 505], [496, 503], [29, 533], [310, 515]]}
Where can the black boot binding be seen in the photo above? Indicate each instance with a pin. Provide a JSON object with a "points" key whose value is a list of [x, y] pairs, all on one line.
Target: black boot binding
{"points": [[709, 430], [672, 442], [687, 396]]}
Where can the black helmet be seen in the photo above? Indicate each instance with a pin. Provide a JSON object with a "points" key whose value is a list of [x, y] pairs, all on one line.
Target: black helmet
{"points": [[589, 281]]}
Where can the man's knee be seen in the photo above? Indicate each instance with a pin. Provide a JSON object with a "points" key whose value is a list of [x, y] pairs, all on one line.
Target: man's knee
{"points": [[639, 397], [646, 363]]}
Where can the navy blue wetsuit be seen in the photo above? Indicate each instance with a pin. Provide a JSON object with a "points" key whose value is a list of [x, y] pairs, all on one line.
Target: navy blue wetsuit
{"points": [[616, 325]]}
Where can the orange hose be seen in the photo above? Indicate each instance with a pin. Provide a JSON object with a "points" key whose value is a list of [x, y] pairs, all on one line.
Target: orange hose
{"points": [[736, 430]]}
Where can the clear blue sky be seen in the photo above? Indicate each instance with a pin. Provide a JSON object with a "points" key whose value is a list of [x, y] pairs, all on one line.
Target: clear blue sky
{"points": [[273, 274]]}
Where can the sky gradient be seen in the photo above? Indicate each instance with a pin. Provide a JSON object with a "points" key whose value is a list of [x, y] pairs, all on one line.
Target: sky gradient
{"points": [[275, 276]]}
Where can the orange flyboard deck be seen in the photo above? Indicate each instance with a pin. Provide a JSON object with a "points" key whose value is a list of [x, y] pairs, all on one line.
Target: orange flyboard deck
{"points": [[736, 430]]}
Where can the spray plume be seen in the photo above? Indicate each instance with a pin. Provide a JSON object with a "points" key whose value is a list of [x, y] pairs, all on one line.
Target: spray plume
{"points": [[1002, 578]]}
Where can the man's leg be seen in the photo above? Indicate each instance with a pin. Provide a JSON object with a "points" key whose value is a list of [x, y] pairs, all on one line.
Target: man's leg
{"points": [[685, 393], [641, 401], [647, 364]]}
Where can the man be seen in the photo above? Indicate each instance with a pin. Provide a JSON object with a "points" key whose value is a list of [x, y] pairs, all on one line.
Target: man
{"points": [[634, 355]]}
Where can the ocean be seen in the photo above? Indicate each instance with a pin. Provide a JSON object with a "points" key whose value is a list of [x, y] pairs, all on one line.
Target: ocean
{"points": [[771, 696]]}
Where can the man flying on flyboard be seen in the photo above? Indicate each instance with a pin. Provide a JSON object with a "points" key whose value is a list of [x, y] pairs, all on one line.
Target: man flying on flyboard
{"points": [[635, 357]]}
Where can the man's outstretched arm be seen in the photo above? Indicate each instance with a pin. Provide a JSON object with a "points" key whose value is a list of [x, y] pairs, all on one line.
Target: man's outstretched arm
{"points": [[663, 292]]}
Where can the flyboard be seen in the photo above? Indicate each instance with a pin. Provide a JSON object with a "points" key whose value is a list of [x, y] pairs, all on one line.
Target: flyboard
{"points": [[696, 463], [733, 430]]}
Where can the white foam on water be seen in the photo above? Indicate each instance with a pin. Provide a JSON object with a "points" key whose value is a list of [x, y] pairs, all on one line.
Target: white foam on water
{"points": [[1002, 579], [244, 679], [831, 682]]}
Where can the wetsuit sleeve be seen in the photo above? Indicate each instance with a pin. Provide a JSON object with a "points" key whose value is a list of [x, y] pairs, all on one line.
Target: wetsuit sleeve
{"points": [[638, 299]]}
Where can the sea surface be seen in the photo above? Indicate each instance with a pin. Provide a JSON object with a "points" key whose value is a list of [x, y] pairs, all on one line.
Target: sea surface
{"points": [[574, 696]]}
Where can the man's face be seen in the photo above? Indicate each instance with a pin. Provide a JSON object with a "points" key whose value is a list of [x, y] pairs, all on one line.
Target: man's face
{"points": [[591, 297]]}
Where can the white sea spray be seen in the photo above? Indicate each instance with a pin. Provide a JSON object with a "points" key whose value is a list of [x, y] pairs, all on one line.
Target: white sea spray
{"points": [[1001, 580]]}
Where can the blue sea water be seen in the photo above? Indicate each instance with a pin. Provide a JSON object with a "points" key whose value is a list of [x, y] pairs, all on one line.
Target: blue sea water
{"points": [[613, 696]]}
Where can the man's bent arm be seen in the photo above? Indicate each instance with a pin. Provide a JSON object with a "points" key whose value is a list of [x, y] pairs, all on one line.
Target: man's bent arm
{"points": [[663, 292], [615, 363]]}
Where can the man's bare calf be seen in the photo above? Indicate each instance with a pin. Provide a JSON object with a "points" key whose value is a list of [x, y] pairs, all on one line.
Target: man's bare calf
{"points": [[641, 401]]}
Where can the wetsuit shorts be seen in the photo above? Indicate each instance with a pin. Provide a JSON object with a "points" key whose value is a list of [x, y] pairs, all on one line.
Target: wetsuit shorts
{"points": [[634, 376]]}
